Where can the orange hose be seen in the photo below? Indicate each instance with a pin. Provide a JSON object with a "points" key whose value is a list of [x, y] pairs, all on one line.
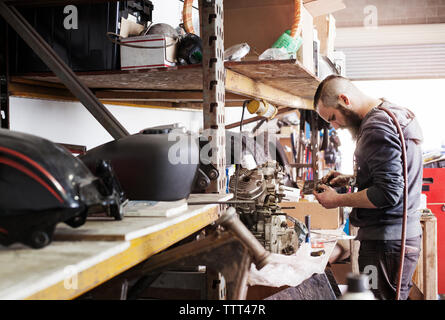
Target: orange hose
{"points": [[296, 26], [187, 16]]}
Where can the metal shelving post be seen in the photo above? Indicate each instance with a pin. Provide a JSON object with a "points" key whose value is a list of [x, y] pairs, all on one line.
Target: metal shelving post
{"points": [[212, 29]]}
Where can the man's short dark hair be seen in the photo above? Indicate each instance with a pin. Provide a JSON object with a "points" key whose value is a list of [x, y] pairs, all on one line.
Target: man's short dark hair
{"points": [[319, 93]]}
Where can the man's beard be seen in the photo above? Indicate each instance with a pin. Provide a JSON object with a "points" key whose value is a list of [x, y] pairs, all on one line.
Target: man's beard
{"points": [[352, 119]]}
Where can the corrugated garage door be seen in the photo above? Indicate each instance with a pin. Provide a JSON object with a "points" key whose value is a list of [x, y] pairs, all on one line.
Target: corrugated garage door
{"points": [[395, 62]]}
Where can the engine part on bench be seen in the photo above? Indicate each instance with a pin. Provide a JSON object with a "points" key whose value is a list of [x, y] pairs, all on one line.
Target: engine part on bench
{"points": [[43, 184], [237, 149], [229, 219], [265, 219], [206, 173], [155, 164]]}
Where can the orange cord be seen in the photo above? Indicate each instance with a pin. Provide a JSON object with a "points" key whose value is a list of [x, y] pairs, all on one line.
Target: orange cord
{"points": [[296, 26], [187, 16]]}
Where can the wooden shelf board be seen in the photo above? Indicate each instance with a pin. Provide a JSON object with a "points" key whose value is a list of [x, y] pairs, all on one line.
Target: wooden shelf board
{"points": [[284, 82], [98, 251], [134, 227], [27, 271], [287, 75]]}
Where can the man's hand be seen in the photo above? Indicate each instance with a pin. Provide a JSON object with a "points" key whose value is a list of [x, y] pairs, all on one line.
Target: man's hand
{"points": [[331, 175], [329, 198], [336, 179]]}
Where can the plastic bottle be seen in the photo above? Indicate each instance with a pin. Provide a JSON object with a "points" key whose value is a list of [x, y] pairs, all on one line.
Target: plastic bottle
{"points": [[287, 42], [358, 288]]}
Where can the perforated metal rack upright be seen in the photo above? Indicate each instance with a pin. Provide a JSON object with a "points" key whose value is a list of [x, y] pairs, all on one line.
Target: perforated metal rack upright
{"points": [[212, 27]]}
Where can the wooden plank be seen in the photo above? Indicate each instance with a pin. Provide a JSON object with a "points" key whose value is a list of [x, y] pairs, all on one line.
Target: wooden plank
{"points": [[175, 96], [45, 90], [25, 271], [141, 99], [174, 78], [31, 90], [180, 106], [238, 83], [141, 248], [100, 229], [430, 284], [139, 243], [40, 90], [287, 75], [282, 82], [425, 275]]}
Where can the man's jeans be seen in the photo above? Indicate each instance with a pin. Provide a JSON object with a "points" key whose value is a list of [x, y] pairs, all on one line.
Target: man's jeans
{"points": [[384, 257]]}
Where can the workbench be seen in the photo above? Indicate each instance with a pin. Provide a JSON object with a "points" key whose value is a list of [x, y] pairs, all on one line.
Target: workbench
{"points": [[79, 260]]}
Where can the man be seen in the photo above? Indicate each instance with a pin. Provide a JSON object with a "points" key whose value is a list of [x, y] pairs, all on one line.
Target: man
{"points": [[378, 203]]}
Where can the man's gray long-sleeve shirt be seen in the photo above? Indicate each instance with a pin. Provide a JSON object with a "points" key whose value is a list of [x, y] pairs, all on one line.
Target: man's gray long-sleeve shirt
{"points": [[378, 157]]}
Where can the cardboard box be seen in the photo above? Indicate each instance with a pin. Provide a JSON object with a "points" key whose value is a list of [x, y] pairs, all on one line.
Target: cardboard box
{"points": [[321, 218], [322, 7], [325, 26], [261, 23], [341, 271]]}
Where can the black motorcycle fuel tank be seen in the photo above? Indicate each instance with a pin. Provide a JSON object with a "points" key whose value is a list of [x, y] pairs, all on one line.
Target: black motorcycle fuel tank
{"points": [[147, 164], [42, 184], [37, 174]]}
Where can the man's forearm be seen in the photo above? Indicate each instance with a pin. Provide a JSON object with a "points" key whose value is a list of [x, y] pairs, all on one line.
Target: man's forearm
{"points": [[356, 200]]}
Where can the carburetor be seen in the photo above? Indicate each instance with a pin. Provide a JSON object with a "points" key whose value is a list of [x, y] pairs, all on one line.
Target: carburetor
{"points": [[264, 218]]}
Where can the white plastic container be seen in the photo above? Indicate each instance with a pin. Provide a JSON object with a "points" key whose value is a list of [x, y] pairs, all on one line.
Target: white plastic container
{"points": [[358, 288], [162, 56]]}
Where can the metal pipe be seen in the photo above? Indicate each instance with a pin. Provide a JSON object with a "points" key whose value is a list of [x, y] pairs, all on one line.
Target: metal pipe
{"points": [[13, 17], [230, 221]]}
